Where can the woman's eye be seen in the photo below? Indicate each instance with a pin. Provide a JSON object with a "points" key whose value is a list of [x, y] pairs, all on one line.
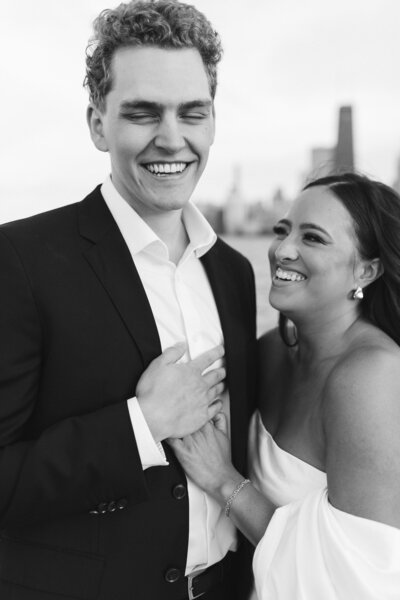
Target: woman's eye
{"points": [[279, 231], [312, 237]]}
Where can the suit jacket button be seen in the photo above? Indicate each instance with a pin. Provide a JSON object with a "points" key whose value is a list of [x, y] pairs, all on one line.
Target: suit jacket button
{"points": [[102, 508], [172, 575], [179, 491], [112, 506], [122, 503], [94, 512]]}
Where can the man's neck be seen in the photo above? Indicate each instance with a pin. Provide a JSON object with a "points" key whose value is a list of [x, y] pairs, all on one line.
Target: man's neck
{"points": [[170, 228]]}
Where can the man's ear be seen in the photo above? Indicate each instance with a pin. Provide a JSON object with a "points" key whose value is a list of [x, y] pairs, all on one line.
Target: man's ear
{"points": [[95, 121], [371, 270]]}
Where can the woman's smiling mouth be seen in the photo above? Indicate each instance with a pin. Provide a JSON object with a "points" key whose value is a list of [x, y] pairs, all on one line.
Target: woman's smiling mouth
{"points": [[288, 275]]}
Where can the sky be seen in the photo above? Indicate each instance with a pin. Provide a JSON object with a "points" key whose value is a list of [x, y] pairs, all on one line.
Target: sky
{"points": [[288, 66]]}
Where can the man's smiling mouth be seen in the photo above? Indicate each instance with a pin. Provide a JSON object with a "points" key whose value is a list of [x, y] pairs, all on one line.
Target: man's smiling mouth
{"points": [[162, 169]]}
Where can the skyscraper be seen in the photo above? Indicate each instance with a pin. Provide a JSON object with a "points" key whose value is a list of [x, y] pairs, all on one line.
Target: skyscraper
{"points": [[344, 152]]}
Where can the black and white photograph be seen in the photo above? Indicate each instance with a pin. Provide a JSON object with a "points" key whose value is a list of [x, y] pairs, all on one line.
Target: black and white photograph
{"points": [[200, 300]]}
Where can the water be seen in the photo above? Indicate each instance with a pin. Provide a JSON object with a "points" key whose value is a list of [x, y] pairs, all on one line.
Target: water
{"points": [[256, 250]]}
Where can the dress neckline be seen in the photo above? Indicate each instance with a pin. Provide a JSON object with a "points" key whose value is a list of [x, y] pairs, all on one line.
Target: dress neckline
{"points": [[289, 454]]}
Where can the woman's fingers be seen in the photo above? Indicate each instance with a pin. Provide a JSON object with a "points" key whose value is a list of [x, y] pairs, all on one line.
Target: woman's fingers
{"points": [[214, 409], [221, 422]]}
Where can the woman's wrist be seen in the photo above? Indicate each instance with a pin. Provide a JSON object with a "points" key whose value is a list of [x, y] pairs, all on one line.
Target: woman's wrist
{"points": [[227, 487]]}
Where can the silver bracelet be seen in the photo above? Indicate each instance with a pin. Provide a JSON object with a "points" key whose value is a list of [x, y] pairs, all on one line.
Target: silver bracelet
{"points": [[235, 492]]}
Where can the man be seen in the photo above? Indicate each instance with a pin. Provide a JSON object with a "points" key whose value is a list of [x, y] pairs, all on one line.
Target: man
{"points": [[93, 503]]}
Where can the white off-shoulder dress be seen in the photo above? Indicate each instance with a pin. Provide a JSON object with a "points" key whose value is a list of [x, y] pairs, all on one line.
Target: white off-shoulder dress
{"points": [[311, 550]]}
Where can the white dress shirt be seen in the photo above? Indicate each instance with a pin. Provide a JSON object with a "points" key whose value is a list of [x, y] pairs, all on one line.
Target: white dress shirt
{"points": [[184, 309]]}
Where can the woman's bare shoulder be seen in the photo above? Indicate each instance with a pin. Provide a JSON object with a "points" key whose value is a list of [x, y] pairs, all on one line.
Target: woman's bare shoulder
{"points": [[361, 421], [366, 373], [364, 366]]}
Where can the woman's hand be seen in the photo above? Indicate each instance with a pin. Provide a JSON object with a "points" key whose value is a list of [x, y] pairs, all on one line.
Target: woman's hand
{"points": [[205, 457]]}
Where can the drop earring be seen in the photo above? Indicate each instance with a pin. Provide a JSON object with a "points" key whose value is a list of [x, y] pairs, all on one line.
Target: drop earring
{"points": [[358, 293]]}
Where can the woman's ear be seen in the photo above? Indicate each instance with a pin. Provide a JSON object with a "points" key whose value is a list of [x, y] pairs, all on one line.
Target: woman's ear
{"points": [[371, 270]]}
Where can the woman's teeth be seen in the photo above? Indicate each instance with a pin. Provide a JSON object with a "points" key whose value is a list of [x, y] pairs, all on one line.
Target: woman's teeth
{"points": [[288, 275]]}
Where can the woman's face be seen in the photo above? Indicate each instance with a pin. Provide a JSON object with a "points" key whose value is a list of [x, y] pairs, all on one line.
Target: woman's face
{"points": [[313, 256]]}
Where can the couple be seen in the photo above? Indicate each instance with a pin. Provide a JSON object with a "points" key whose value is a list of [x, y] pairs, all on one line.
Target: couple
{"points": [[104, 410]]}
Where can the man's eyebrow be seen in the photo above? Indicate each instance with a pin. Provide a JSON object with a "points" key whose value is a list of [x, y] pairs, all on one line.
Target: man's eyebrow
{"points": [[195, 104], [139, 104], [157, 106]]}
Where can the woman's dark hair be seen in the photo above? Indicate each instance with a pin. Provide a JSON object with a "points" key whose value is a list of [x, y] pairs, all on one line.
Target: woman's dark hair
{"points": [[375, 210]]}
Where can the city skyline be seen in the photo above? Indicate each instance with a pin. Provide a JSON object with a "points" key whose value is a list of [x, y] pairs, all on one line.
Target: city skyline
{"points": [[286, 69]]}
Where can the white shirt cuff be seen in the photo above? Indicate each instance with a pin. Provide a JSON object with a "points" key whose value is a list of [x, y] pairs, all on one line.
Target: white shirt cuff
{"points": [[151, 453]]}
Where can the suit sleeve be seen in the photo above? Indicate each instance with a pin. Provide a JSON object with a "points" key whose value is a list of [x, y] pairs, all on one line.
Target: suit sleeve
{"points": [[74, 464]]}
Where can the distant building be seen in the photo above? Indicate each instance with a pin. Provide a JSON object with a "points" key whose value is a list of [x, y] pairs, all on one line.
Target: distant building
{"points": [[322, 162], [214, 215], [344, 152], [235, 209], [280, 204], [339, 158]]}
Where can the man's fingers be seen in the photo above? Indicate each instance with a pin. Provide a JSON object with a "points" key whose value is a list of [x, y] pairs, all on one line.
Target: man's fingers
{"points": [[172, 354], [215, 392], [214, 376], [205, 360], [214, 409]]}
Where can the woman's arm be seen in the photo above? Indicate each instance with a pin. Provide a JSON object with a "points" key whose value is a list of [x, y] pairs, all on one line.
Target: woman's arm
{"points": [[361, 419], [205, 456]]}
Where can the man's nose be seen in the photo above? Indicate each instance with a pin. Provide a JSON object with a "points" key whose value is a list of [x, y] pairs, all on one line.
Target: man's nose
{"points": [[169, 135]]}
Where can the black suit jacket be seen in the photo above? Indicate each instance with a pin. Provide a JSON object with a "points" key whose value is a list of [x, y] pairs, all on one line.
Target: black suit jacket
{"points": [[76, 333]]}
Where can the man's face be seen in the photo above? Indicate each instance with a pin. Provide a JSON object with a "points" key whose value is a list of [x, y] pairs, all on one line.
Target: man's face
{"points": [[158, 126]]}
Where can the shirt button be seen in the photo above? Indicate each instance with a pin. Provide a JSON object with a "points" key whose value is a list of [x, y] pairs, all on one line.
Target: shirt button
{"points": [[112, 506], [179, 491], [102, 508], [122, 503], [172, 575]]}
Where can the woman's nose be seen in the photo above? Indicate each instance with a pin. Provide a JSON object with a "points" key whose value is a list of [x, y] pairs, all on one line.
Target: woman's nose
{"points": [[286, 249]]}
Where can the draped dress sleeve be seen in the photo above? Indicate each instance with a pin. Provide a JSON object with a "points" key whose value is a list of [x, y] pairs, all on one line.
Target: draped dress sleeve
{"points": [[311, 550]]}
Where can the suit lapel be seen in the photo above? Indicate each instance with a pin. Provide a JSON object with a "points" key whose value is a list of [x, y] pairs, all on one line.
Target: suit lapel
{"points": [[109, 257], [226, 292]]}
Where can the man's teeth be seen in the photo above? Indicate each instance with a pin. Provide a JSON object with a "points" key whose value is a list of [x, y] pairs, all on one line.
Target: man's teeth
{"points": [[288, 275], [166, 168]]}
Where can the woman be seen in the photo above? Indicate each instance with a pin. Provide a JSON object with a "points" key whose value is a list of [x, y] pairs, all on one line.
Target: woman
{"points": [[323, 504]]}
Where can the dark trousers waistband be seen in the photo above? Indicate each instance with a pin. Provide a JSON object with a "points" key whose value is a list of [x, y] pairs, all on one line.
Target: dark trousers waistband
{"points": [[199, 585]]}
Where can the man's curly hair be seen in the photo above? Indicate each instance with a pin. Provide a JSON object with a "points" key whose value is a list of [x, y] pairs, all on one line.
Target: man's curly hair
{"points": [[160, 23]]}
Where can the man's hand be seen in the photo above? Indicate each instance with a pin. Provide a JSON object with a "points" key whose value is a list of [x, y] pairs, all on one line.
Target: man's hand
{"points": [[179, 398]]}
